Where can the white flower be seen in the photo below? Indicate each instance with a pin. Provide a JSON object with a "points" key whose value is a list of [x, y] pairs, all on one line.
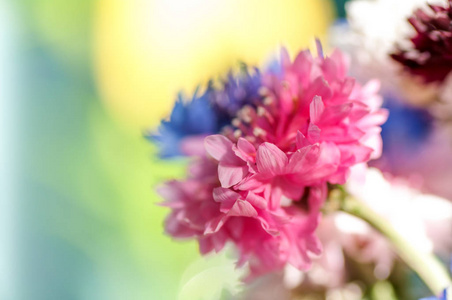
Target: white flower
{"points": [[425, 221]]}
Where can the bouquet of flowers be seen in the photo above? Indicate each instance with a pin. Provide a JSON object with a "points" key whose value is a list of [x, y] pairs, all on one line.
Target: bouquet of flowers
{"points": [[289, 165]]}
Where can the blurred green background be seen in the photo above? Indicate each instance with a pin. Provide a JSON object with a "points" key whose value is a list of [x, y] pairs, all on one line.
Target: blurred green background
{"points": [[82, 80]]}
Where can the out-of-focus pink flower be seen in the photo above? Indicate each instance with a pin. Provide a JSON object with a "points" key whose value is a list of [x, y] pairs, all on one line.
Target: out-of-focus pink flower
{"points": [[266, 239], [192, 207], [274, 162]]}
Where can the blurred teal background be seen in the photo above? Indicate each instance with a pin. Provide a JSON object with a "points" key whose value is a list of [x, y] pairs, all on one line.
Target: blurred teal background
{"points": [[80, 81]]}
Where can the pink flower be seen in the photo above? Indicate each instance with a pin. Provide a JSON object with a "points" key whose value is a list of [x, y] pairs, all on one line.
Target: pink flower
{"points": [[315, 97], [265, 179], [266, 239], [192, 207]]}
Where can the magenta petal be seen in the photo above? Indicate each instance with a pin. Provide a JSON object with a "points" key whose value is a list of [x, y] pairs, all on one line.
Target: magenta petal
{"points": [[212, 242], [269, 227], [313, 133], [218, 146], [290, 190], [251, 183], [336, 113], [317, 195], [302, 63], [214, 225], [245, 150], [218, 241], [340, 177], [243, 209], [221, 194], [347, 86], [316, 109], [302, 141], [176, 228], [226, 197], [359, 154], [231, 175], [304, 159], [330, 70], [342, 63], [275, 197], [205, 245], [314, 245], [319, 87], [271, 159], [256, 200]]}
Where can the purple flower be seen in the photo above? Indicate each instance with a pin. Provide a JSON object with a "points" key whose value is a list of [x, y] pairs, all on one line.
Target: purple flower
{"points": [[431, 55], [238, 91], [192, 120], [188, 119]]}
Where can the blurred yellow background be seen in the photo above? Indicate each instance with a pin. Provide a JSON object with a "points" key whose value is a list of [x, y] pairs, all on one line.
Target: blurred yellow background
{"points": [[145, 51]]}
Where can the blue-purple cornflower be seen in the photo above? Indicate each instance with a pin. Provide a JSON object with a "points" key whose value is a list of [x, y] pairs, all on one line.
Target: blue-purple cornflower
{"points": [[188, 118], [237, 92], [206, 114]]}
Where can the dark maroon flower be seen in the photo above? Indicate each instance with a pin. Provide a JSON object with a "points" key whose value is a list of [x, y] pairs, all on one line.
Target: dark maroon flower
{"points": [[431, 55]]}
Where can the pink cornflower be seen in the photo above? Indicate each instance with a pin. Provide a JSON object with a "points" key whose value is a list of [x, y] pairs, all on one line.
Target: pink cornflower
{"points": [[264, 180]]}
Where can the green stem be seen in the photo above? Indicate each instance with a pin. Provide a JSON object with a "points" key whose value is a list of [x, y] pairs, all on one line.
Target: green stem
{"points": [[426, 265]]}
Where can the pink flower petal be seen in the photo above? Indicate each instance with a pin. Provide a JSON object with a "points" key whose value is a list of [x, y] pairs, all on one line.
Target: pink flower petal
{"points": [[304, 159], [291, 190], [218, 146], [245, 150], [302, 64], [231, 175], [256, 201], [214, 225], [347, 86], [242, 208], [301, 140], [316, 109], [319, 87], [226, 197], [313, 133], [254, 183], [275, 197], [336, 113], [270, 159]]}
